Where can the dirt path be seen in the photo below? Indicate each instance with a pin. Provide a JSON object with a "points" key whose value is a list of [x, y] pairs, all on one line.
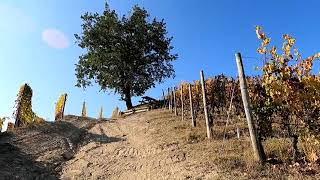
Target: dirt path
{"points": [[137, 147]]}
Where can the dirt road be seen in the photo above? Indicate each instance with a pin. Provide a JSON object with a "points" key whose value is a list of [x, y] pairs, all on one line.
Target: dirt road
{"points": [[133, 148]]}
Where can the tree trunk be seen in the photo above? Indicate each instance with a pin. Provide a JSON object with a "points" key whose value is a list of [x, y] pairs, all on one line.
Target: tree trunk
{"points": [[127, 97]]}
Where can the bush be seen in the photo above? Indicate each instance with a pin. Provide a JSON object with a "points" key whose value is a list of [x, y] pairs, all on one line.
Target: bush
{"points": [[84, 110], [115, 113], [24, 114], [60, 105], [279, 149], [1, 122], [309, 145]]}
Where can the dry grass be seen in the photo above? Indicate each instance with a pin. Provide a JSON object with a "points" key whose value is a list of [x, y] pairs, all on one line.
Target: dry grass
{"points": [[233, 157]]}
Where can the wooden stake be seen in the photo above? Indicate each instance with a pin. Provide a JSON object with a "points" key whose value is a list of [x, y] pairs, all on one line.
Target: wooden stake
{"points": [[228, 113], [256, 144], [169, 99], [175, 101], [182, 105], [64, 105], [193, 120], [238, 133], [172, 100], [206, 115], [163, 100]]}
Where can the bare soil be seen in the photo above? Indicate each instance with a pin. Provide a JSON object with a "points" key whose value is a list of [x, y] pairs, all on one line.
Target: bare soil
{"points": [[141, 147], [151, 145]]}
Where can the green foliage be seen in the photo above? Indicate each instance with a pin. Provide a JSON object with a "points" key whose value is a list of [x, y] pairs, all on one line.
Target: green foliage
{"points": [[60, 105], [127, 54], [24, 114], [84, 110], [262, 107]]}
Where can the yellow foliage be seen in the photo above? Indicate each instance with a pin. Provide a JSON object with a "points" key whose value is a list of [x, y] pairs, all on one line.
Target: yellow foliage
{"points": [[100, 117], [10, 126], [1, 122], [38, 120], [295, 89], [84, 110], [24, 114], [115, 113], [310, 146], [59, 111]]}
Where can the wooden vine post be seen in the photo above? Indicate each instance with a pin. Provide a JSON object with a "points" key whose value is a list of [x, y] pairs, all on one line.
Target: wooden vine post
{"points": [[172, 100], [164, 99], [169, 99], [193, 121], [206, 115], [256, 144], [175, 101], [228, 112], [182, 105]]}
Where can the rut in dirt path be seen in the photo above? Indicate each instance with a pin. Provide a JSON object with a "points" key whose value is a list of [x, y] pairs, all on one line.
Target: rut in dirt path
{"points": [[144, 150]]}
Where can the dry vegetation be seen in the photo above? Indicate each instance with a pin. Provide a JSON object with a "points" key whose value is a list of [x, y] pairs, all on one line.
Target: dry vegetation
{"points": [[234, 157], [151, 145]]}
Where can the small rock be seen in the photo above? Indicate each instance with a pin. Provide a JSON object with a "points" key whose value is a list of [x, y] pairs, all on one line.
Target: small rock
{"points": [[67, 155]]}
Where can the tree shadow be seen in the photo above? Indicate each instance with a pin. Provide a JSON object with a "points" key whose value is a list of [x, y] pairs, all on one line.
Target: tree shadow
{"points": [[18, 165], [39, 151]]}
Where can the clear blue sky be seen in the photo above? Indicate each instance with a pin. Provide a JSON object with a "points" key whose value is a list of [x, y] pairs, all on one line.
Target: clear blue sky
{"points": [[37, 43]]}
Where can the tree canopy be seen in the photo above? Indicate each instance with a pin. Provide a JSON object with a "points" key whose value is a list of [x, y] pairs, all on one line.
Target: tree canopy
{"points": [[127, 54]]}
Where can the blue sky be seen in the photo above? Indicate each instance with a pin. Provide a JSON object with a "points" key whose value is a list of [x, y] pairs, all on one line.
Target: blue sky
{"points": [[37, 45]]}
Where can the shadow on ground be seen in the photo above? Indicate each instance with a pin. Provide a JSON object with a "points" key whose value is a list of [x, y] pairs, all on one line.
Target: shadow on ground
{"points": [[39, 151]]}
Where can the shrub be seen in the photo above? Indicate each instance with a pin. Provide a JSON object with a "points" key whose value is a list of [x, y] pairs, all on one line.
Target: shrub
{"points": [[310, 146], [100, 117], [24, 114], [84, 110], [279, 149], [10, 126], [1, 122], [115, 113], [60, 105]]}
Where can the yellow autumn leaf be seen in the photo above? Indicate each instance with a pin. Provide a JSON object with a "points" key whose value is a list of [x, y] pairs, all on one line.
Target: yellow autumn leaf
{"points": [[266, 41], [291, 41], [260, 51], [258, 29], [313, 157], [273, 51]]}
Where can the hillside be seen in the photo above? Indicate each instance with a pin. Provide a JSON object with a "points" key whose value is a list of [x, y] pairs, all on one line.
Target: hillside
{"points": [[151, 145]]}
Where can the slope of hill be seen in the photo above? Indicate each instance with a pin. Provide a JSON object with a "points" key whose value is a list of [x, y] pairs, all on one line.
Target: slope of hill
{"points": [[39, 151], [151, 145]]}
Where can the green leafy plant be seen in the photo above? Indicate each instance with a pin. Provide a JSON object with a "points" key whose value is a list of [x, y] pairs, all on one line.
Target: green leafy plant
{"points": [[127, 54], [23, 113]]}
